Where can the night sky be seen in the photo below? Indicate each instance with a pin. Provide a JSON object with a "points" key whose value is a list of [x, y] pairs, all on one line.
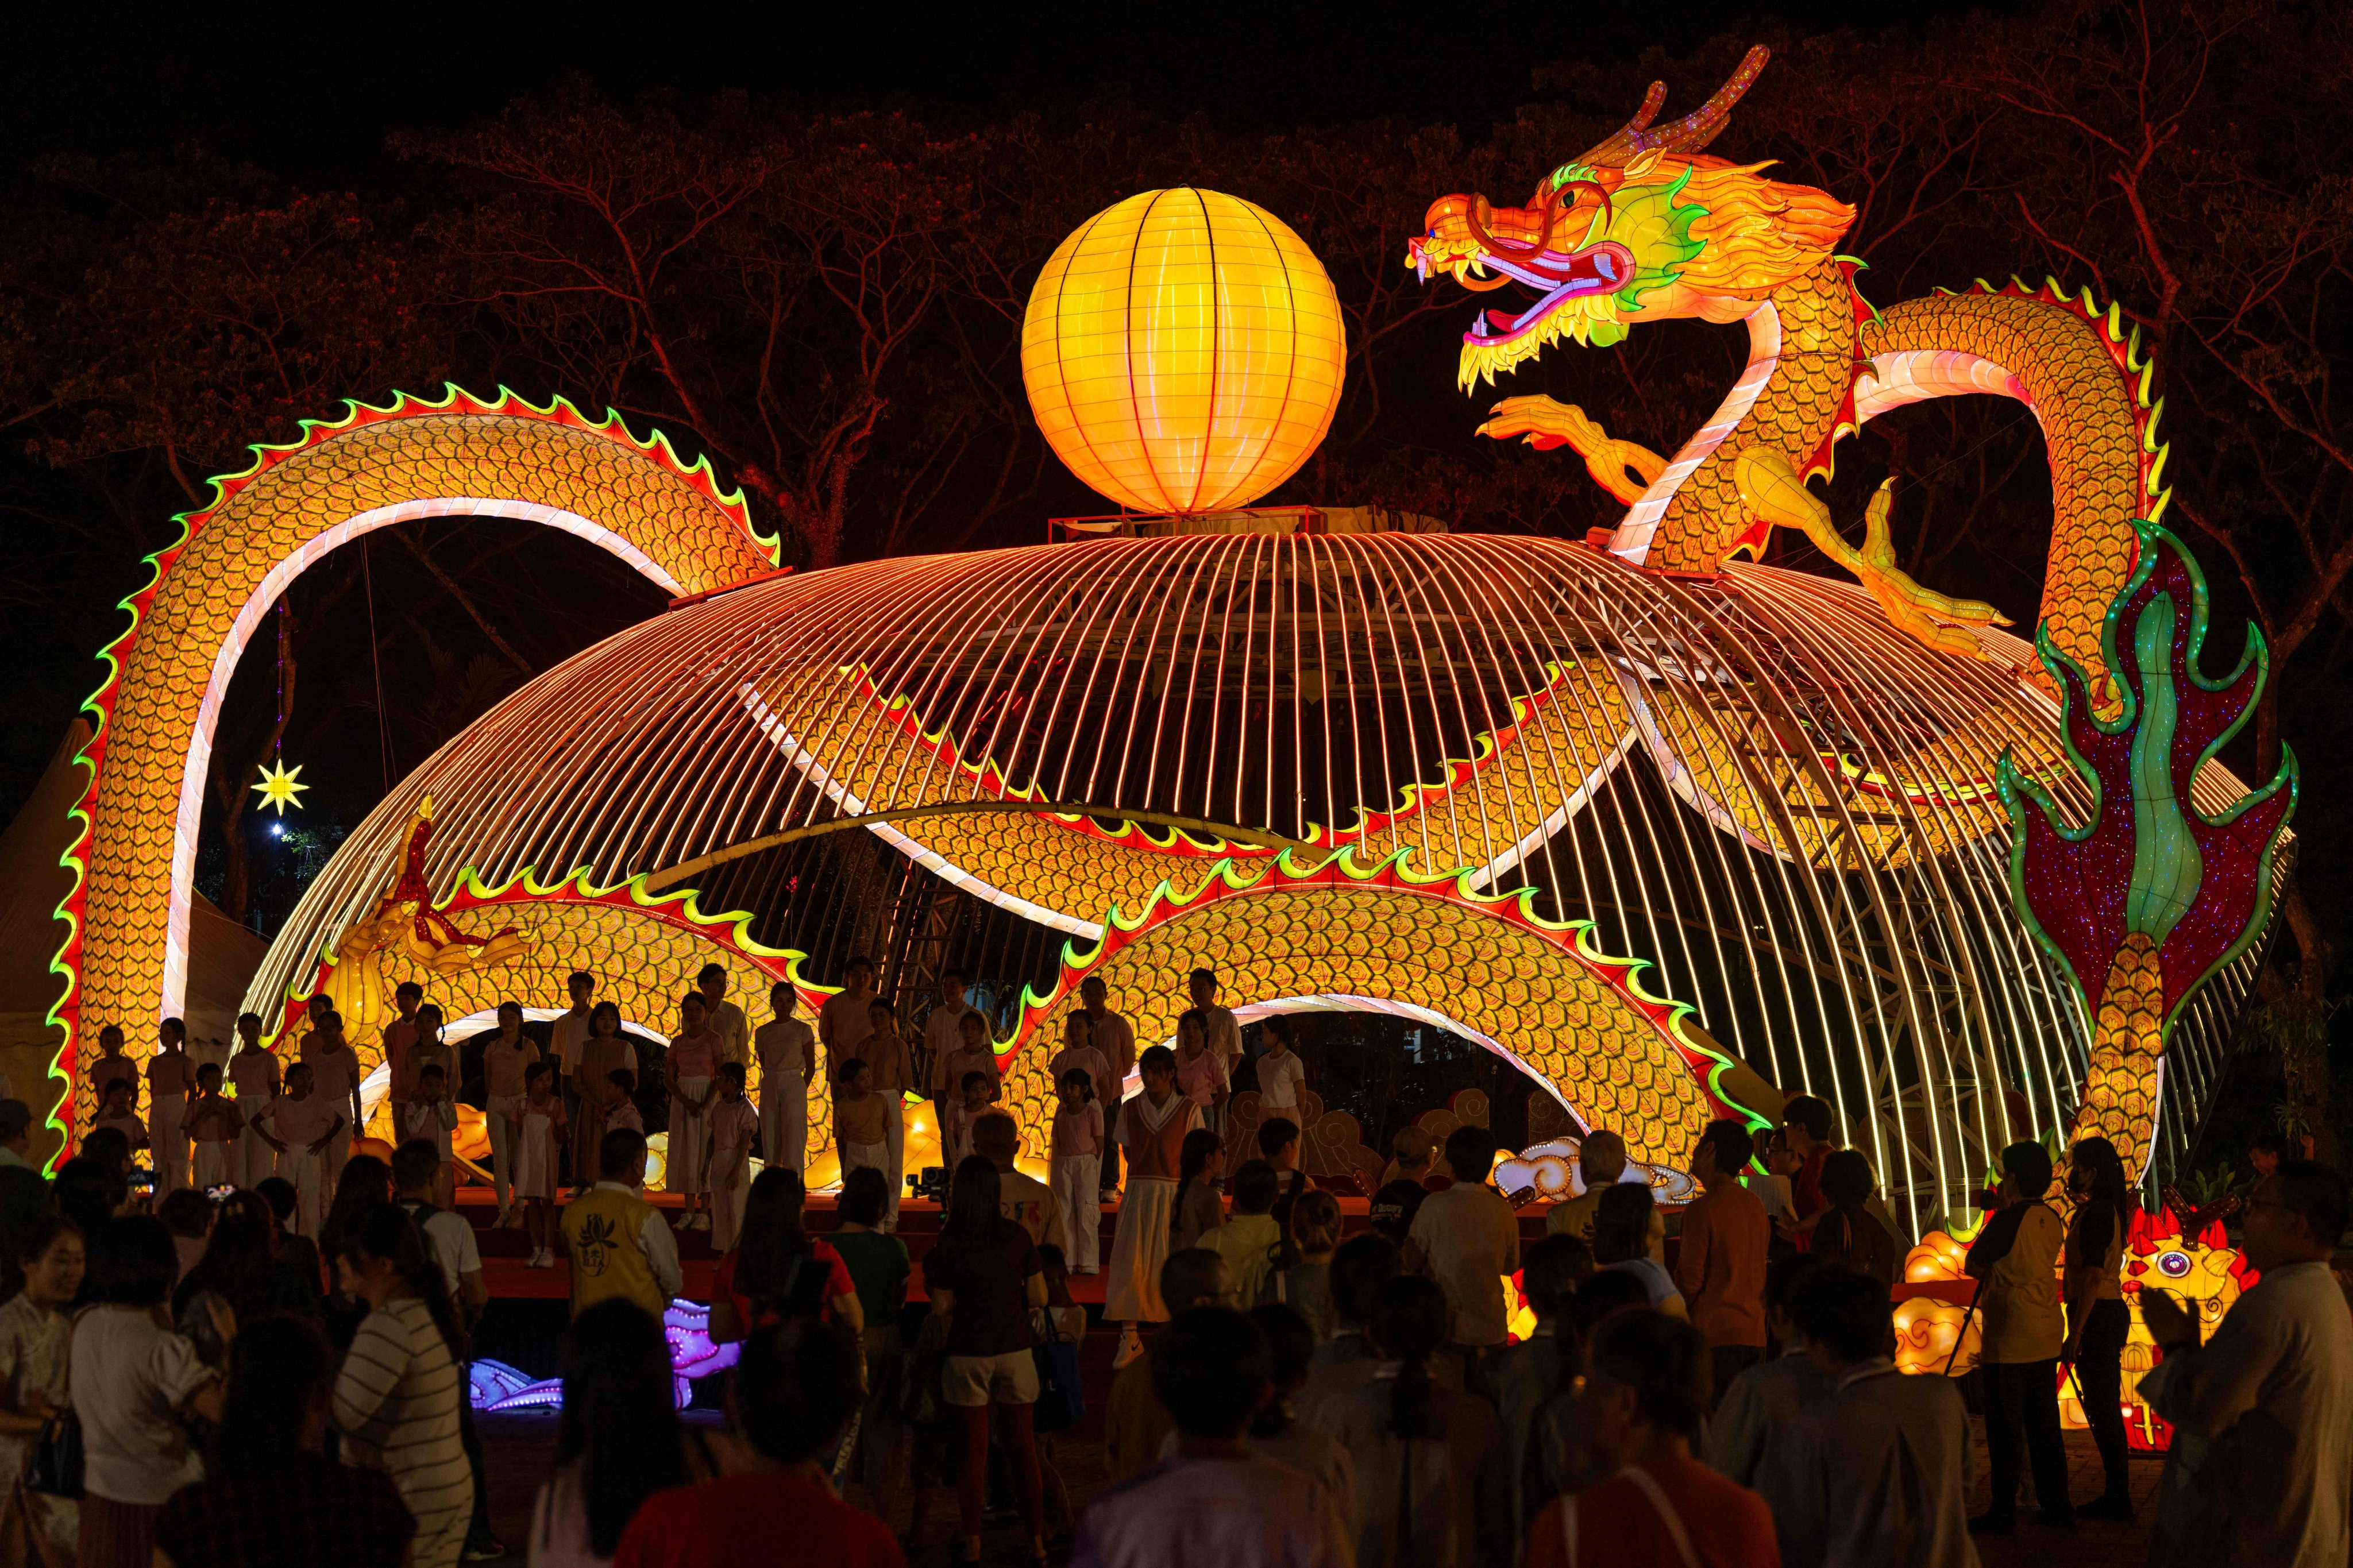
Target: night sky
{"points": [[314, 102]]}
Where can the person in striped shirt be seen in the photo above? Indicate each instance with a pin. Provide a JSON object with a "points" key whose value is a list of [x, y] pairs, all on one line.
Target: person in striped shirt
{"points": [[397, 1399]]}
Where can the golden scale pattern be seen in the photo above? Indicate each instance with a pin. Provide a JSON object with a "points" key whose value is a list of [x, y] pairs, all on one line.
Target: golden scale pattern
{"points": [[2120, 1080], [2090, 429], [837, 719], [1461, 963], [1706, 521], [644, 965], [274, 515], [2084, 401]]}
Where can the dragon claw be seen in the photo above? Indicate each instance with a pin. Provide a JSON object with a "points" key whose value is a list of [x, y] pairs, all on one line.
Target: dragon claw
{"points": [[1773, 492], [1624, 468]]}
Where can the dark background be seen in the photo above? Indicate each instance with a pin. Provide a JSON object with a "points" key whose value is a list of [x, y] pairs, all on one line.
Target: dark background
{"points": [[208, 233]]}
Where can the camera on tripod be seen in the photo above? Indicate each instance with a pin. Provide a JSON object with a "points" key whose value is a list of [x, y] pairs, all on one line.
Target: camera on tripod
{"points": [[932, 1183]]}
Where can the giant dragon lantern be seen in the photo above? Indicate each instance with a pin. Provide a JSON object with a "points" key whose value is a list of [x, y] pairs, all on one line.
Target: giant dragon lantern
{"points": [[1673, 831]]}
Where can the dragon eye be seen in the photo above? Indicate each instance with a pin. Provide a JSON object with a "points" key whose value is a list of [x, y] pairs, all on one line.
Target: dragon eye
{"points": [[2175, 1264]]}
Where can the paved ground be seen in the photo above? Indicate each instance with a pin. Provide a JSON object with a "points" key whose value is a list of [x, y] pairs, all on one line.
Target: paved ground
{"points": [[520, 1449]]}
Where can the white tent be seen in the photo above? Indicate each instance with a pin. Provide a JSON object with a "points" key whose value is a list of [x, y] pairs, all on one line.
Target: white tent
{"points": [[222, 954]]}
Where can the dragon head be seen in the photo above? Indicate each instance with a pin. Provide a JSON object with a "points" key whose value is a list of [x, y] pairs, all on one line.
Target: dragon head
{"points": [[1643, 227]]}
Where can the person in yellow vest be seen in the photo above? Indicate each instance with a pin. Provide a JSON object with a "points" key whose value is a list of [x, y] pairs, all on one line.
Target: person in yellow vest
{"points": [[617, 1241]]}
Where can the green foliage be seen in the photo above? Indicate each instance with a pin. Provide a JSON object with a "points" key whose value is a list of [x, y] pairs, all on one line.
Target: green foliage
{"points": [[2209, 1184], [2292, 1025]]}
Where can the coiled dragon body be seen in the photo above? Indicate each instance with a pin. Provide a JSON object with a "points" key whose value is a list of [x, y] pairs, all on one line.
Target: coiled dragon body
{"points": [[1646, 226]]}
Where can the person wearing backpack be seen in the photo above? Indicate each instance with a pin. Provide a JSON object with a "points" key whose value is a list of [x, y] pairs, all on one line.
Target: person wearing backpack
{"points": [[778, 1270]]}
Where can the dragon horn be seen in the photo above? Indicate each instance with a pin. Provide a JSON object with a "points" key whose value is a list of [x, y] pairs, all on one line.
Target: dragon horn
{"points": [[1696, 130], [1693, 131], [1621, 147]]}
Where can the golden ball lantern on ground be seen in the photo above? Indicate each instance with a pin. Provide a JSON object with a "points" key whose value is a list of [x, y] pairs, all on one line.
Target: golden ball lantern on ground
{"points": [[1183, 352]]}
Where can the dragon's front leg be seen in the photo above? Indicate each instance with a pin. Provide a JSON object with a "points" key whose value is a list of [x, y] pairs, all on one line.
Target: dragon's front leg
{"points": [[1614, 464], [1774, 492]]}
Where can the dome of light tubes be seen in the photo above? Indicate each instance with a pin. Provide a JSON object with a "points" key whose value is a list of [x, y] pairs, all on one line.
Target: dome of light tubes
{"points": [[1751, 782]]}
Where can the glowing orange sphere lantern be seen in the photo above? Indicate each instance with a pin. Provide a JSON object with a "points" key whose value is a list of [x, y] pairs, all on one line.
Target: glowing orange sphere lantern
{"points": [[1183, 352]]}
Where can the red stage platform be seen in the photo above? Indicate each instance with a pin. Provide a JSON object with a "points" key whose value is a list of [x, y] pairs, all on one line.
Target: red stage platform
{"points": [[504, 1251]]}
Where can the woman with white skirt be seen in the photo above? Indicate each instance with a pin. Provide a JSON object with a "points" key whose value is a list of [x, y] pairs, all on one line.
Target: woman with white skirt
{"points": [[734, 1134], [786, 1049], [300, 1124], [1076, 1160], [213, 1127], [253, 1072], [539, 1145], [1151, 1132], [171, 1074], [504, 1062], [691, 1071]]}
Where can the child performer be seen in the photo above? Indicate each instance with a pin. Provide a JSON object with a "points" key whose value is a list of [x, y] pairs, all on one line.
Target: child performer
{"points": [[972, 1054], [112, 1064], [621, 1102], [786, 1049], [1201, 1074], [955, 1129], [858, 1121], [253, 1073], [1080, 1050], [116, 1112], [171, 1073], [300, 1127], [1151, 1134], [429, 1049], [213, 1123], [1076, 1159], [690, 1072], [336, 1077], [430, 1115], [734, 1134], [539, 1145]]}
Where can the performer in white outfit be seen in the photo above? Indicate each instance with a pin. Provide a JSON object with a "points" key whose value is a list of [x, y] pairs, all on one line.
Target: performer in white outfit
{"points": [[253, 1073], [734, 1134], [171, 1074], [884, 1051], [504, 1060], [691, 1071], [300, 1126], [213, 1125], [539, 1157], [786, 1049], [1077, 1160]]}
